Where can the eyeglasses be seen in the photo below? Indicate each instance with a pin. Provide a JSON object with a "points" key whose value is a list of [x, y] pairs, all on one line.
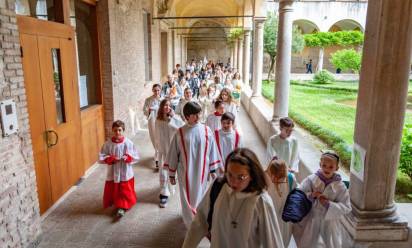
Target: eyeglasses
{"points": [[240, 178]]}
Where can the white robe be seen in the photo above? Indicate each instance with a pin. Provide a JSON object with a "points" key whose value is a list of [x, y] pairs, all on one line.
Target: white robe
{"points": [[164, 134], [227, 142], [213, 121], [206, 104], [119, 171], [150, 108], [180, 106], [193, 155], [231, 107], [285, 149], [279, 202], [257, 223], [321, 221]]}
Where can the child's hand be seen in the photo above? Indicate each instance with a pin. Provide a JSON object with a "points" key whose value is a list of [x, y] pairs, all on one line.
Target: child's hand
{"points": [[324, 200], [291, 170], [213, 175], [316, 195], [172, 181]]}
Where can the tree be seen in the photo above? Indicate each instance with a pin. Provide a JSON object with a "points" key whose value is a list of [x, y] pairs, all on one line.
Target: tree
{"points": [[347, 59], [234, 35], [326, 39], [270, 39]]}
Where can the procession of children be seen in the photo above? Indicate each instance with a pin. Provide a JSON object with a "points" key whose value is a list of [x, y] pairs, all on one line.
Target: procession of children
{"points": [[225, 194]]}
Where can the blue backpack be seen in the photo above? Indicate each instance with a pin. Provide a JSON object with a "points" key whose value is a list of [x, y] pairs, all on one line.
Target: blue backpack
{"points": [[297, 206]]}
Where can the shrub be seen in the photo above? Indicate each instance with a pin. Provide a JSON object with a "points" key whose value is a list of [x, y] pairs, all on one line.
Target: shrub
{"points": [[323, 77], [347, 59], [405, 160]]}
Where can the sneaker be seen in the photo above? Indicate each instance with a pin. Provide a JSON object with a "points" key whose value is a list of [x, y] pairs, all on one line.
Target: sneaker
{"points": [[163, 201], [120, 212]]}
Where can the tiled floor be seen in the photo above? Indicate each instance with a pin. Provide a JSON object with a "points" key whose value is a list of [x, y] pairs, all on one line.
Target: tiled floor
{"points": [[80, 221]]}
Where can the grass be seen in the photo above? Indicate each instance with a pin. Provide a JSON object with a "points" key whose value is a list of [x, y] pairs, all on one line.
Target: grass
{"points": [[328, 111]]}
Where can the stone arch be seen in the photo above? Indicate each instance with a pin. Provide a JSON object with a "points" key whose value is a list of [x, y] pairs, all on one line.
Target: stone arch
{"points": [[306, 26], [346, 24]]}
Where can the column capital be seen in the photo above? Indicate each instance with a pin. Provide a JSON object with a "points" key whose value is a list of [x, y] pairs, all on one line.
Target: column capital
{"points": [[286, 6], [259, 19]]}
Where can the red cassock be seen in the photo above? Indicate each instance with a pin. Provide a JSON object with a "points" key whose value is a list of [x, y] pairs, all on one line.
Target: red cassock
{"points": [[119, 187]]}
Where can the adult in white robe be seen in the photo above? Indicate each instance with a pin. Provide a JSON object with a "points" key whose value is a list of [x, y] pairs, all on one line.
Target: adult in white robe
{"points": [[284, 149], [257, 225], [192, 155], [323, 221], [279, 195], [227, 142], [119, 187], [165, 131], [213, 121], [150, 108]]}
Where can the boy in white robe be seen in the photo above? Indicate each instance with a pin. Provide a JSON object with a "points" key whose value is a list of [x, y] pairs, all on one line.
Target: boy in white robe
{"points": [[243, 214], [331, 202], [167, 123], [150, 107], [213, 121], [187, 97], [284, 146], [192, 155], [227, 138], [119, 154]]}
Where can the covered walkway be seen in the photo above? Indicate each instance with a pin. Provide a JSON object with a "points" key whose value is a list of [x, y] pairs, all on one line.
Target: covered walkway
{"points": [[80, 221]]}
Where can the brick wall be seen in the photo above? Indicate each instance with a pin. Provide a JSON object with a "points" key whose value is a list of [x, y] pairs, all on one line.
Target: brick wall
{"points": [[19, 207], [124, 85]]}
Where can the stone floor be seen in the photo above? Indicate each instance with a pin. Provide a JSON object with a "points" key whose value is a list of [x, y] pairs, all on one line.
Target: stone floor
{"points": [[80, 221]]}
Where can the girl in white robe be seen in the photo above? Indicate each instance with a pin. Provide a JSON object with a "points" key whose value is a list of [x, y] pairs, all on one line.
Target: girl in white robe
{"points": [[205, 102], [167, 124], [227, 138], [213, 121], [226, 97], [281, 182], [119, 153], [192, 155], [150, 107], [331, 202], [243, 214]]}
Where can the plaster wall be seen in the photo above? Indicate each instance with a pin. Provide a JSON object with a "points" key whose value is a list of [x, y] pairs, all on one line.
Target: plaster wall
{"points": [[212, 50]]}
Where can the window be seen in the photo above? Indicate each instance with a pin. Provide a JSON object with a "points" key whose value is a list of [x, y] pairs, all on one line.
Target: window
{"points": [[49, 10], [58, 85], [147, 45], [83, 18]]}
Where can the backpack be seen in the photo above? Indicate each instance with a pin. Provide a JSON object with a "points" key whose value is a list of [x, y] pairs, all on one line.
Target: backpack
{"points": [[214, 193], [297, 206]]}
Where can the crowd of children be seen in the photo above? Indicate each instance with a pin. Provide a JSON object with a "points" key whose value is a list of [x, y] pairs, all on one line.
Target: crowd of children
{"points": [[225, 193]]}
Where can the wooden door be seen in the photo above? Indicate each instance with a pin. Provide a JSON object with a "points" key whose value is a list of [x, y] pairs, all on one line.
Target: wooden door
{"points": [[49, 65]]}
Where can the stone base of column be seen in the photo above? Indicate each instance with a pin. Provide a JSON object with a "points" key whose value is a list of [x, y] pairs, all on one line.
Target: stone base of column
{"points": [[375, 228]]}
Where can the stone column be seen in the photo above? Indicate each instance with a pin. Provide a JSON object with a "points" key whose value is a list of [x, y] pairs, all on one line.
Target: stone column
{"points": [[246, 59], [181, 51], [283, 59], [235, 58], [231, 58], [257, 56], [240, 55], [379, 121]]}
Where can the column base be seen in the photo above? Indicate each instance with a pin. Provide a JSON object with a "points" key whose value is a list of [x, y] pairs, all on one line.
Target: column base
{"points": [[359, 230]]}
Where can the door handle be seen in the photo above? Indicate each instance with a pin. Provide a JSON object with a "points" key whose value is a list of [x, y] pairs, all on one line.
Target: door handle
{"points": [[51, 142]]}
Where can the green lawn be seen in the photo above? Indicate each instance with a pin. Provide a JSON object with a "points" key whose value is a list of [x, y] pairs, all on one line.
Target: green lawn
{"points": [[334, 110]]}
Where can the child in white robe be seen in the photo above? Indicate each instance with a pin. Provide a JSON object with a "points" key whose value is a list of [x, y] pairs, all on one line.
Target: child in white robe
{"points": [[243, 214], [227, 138], [280, 184], [167, 124], [284, 146], [213, 121], [150, 107], [187, 97], [331, 202], [226, 97], [193, 156], [119, 154], [205, 102]]}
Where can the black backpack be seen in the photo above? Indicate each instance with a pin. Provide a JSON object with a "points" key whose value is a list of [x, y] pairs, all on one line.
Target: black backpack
{"points": [[214, 193], [297, 206]]}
